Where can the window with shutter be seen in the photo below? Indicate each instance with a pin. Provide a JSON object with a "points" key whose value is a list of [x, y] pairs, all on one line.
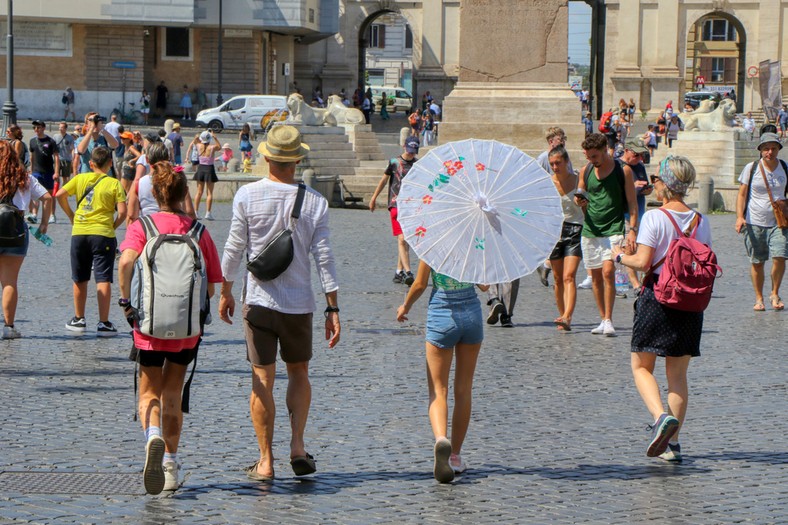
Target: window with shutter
{"points": [[705, 68], [730, 70]]}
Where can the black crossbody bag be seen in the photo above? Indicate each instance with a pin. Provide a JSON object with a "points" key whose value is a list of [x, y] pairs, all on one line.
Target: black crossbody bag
{"points": [[277, 255]]}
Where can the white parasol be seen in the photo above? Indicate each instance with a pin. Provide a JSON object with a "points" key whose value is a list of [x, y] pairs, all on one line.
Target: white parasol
{"points": [[480, 211]]}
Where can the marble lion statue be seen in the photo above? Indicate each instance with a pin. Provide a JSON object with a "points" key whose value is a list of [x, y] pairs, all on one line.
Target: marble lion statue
{"points": [[303, 113], [718, 120], [342, 113]]}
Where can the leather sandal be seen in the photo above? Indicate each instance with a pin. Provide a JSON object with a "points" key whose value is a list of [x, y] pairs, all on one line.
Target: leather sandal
{"points": [[777, 303]]}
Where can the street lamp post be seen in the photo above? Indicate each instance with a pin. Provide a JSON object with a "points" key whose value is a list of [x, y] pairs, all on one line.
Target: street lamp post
{"points": [[9, 108], [219, 98]]}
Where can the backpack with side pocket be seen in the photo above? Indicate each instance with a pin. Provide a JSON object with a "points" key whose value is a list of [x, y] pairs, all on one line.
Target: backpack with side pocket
{"points": [[688, 271], [169, 290], [605, 122], [12, 224]]}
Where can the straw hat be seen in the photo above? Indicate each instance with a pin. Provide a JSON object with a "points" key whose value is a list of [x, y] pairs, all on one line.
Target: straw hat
{"points": [[283, 144]]}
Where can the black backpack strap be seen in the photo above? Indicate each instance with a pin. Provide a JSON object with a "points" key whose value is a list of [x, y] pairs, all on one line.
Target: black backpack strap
{"points": [[187, 386], [587, 173]]}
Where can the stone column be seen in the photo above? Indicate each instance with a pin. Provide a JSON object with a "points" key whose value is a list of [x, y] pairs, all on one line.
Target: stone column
{"points": [[513, 75]]}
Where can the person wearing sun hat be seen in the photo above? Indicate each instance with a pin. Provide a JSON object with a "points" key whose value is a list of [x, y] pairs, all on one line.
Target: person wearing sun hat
{"points": [[755, 218], [205, 176], [279, 311]]}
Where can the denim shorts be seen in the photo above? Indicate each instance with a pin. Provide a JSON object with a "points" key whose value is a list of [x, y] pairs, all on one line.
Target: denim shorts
{"points": [[763, 243], [19, 251], [453, 317]]}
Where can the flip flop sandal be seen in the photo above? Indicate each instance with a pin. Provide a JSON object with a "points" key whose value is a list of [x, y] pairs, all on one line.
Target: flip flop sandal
{"points": [[777, 303], [759, 307], [251, 473], [303, 465], [562, 324]]}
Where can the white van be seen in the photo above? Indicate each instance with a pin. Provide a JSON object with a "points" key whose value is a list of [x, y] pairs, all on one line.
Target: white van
{"points": [[399, 98], [240, 110]]}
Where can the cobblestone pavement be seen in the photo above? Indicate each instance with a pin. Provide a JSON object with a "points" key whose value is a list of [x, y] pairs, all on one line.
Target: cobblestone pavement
{"points": [[557, 436]]}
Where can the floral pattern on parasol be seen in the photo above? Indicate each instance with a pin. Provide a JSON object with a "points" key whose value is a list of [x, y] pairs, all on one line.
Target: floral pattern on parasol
{"points": [[480, 211]]}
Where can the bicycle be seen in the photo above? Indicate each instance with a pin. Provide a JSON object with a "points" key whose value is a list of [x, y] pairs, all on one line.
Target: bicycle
{"points": [[132, 116]]}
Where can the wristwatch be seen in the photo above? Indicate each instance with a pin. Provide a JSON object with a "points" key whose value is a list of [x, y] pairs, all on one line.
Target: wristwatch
{"points": [[124, 303], [633, 229], [331, 310], [618, 258]]}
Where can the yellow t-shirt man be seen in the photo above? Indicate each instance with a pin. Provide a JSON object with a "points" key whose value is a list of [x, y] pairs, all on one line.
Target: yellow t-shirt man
{"points": [[95, 215]]}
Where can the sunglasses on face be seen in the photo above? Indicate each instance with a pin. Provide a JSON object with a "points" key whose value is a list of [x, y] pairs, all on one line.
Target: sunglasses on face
{"points": [[654, 179]]}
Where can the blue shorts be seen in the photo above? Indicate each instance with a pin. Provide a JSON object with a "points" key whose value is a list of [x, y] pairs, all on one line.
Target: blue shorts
{"points": [[453, 317], [94, 252], [764, 243], [19, 251], [47, 180]]}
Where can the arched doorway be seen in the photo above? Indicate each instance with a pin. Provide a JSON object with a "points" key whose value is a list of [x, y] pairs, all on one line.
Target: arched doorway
{"points": [[385, 50], [716, 47]]}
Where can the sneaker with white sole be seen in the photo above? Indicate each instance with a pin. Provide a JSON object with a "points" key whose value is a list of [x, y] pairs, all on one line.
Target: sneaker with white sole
{"points": [[497, 309], [171, 472], [599, 330], [208, 216], [609, 330], [661, 432], [106, 329], [586, 284], [457, 464], [9, 332], [442, 470], [672, 454], [52, 219], [77, 324], [153, 473]]}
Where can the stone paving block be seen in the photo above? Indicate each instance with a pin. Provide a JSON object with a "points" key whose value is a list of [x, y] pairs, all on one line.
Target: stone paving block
{"points": [[558, 433]]}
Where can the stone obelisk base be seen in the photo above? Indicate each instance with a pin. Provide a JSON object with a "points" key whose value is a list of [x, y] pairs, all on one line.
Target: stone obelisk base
{"points": [[516, 114]]}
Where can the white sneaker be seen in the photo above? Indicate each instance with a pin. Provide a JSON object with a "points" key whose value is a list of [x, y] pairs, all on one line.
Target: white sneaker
{"points": [[9, 332], [608, 328], [52, 219], [171, 471], [586, 284], [457, 464], [599, 330], [209, 216], [153, 473]]}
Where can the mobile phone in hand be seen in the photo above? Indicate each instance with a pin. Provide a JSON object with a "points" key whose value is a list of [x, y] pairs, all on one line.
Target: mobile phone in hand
{"points": [[581, 194]]}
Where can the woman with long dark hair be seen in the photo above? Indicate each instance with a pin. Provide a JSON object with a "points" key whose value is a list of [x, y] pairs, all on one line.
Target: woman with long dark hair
{"points": [[17, 188]]}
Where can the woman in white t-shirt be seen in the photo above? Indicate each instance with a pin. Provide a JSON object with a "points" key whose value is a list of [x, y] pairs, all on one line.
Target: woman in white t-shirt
{"points": [[657, 329], [755, 218], [18, 188]]}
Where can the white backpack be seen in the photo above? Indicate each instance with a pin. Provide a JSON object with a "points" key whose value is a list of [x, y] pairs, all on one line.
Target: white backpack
{"points": [[169, 288]]}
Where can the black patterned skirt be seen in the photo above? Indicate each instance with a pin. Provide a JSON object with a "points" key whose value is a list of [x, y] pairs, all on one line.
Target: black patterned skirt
{"points": [[664, 331]]}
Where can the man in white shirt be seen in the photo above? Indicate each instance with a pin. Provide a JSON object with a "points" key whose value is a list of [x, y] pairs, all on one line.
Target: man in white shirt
{"points": [[280, 310]]}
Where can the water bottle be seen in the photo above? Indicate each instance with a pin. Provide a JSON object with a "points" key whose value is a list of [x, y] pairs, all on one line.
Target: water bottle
{"points": [[622, 281], [43, 237]]}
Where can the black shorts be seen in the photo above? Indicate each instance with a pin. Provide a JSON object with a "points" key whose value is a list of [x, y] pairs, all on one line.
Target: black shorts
{"points": [[569, 243], [156, 358], [94, 252]]}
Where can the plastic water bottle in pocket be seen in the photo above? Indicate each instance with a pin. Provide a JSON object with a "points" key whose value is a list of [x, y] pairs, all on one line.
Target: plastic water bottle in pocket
{"points": [[622, 281]]}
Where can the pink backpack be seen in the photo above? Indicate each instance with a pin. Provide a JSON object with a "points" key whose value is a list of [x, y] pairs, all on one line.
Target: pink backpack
{"points": [[690, 268]]}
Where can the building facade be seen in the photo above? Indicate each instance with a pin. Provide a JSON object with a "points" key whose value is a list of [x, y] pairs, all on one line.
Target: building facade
{"points": [[108, 51], [654, 51]]}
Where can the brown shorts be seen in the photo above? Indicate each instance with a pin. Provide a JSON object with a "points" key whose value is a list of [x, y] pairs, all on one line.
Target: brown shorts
{"points": [[264, 327]]}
